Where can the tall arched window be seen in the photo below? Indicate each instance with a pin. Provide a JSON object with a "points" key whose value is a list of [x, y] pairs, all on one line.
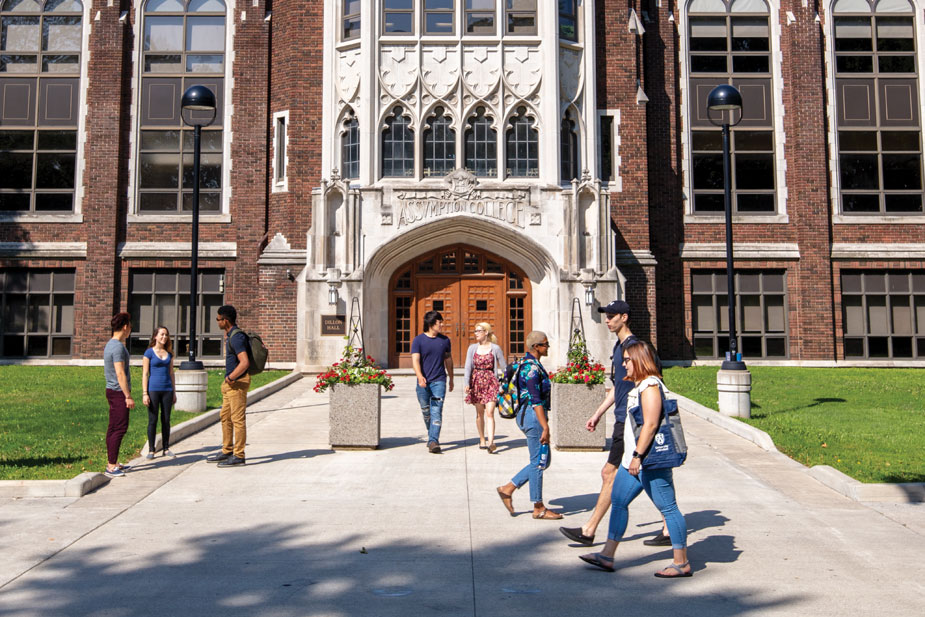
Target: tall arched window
{"points": [[729, 42], [521, 144], [350, 152], [39, 89], [877, 107], [398, 146], [183, 44], [439, 145], [568, 149], [481, 145]]}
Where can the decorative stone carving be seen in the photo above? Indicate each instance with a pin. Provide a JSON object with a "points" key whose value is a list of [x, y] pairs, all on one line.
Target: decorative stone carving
{"points": [[570, 74], [440, 69], [481, 69], [398, 69], [523, 68], [348, 73]]}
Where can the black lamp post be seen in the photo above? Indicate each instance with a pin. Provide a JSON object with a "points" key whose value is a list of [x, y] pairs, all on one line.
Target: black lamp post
{"points": [[725, 98], [195, 99]]}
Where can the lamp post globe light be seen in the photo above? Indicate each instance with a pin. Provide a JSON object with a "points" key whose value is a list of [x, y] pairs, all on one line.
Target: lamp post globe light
{"points": [[197, 108], [733, 381]]}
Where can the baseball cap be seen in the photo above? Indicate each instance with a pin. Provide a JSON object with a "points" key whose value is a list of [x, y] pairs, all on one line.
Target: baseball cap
{"points": [[617, 307]]}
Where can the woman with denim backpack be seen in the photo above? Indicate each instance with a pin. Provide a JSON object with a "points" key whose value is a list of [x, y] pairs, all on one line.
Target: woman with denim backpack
{"points": [[632, 478]]}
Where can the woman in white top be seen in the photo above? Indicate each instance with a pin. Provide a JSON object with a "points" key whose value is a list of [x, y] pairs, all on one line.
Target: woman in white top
{"points": [[483, 362], [632, 478]]}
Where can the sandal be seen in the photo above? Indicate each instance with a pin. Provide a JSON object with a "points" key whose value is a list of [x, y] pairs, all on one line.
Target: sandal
{"points": [[598, 561], [677, 568], [492, 447], [507, 500], [547, 515]]}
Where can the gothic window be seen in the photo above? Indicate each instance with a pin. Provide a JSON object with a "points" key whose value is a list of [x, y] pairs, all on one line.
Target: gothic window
{"points": [[39, 89], [729, 42], [877, 107], [439, 16], [481, 145], [439, 145], [568, 150], [350, 143], [398, 146], [521, 143], [398, 17], [568, 20], [183, 44], [480, 17], [520, 16], [351, 19]]}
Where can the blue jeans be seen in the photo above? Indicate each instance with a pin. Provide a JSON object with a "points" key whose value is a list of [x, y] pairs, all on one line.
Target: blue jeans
{"points": [[533, 431], [658, 486], [431, 399]]}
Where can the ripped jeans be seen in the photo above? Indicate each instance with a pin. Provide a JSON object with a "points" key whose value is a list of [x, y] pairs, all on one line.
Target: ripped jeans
{"points": [[431, 399]]}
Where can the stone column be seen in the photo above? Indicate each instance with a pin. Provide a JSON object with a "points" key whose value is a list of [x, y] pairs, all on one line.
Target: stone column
{"points": [[735, 393]]}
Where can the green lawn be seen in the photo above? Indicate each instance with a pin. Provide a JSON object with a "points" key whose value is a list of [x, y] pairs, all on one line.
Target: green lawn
{"points": [[867, 423], [53, 419]]}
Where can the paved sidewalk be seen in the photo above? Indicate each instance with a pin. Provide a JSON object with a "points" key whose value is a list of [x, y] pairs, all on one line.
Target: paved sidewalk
{"points": [[302, 530]]}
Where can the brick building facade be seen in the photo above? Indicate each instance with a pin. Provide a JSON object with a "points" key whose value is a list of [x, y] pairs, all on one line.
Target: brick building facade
{"points": [[492, 159]]}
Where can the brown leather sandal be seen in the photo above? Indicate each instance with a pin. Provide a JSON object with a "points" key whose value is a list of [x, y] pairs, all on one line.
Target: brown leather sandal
{"points": [[547, 515], [507, 500]]}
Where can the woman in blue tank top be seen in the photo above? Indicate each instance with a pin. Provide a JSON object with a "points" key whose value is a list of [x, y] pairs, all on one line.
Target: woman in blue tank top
{"points": [[158, 385]]}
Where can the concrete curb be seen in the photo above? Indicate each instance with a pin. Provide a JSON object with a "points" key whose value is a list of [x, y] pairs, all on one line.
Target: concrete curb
{"points": [[907, 492], [81, 484]]}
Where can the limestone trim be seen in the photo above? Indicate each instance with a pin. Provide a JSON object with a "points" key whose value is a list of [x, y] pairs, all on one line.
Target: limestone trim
{"points": [[171, 250], [763, 251], [279, 253], [28, 217], [635, 258], [42, 250], [878, 252]]}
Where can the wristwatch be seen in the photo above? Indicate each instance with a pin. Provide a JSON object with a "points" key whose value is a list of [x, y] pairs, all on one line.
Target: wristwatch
{"points": [[636, 455]]}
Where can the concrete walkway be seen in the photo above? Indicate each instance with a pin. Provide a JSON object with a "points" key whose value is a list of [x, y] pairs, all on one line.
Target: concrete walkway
{"points": [[302, 530]]}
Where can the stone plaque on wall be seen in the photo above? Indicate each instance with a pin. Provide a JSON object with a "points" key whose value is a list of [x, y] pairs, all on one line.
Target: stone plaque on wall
{"points": [[333, 325]]}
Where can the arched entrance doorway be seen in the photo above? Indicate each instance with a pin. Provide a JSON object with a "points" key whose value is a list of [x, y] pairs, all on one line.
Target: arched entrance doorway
{"points": [[467, 285]]}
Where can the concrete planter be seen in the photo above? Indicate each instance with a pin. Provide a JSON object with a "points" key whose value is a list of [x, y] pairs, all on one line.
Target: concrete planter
{"points": [[354, 416], [572, 405]]}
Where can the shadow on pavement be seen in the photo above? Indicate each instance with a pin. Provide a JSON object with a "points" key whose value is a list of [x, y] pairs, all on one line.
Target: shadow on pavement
{"points": [[282, 570]]}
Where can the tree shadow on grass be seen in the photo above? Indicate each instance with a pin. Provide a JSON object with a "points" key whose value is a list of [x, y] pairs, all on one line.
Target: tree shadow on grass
{"points": [[816, 402], [41, 461], [302, 569]]}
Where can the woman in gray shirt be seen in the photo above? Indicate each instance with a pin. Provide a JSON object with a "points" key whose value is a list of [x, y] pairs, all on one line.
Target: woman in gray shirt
{"points": [[484, 361]]}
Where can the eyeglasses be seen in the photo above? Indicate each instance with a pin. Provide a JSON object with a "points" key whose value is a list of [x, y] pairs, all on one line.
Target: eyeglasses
{"points": [[546, 344], [625, 360], [479, 330]]}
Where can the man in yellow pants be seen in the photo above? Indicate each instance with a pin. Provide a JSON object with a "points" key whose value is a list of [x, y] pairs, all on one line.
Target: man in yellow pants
{"points": [[234, 390]]}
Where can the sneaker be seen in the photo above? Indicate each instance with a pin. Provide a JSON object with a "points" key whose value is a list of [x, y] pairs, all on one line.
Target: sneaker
{"points": [[124, 467], [575, 535], [658, 540], [232, 461], [149, 456], [114, 473], [169, 454], [218, 458], [433, 447]]}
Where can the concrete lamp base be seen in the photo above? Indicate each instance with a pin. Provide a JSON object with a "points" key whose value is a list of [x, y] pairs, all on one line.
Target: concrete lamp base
{"points": [[191, 390], [735, 393]]}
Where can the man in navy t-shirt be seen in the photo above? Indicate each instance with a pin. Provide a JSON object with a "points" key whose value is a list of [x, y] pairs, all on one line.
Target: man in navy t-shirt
{"points": [[432, 361], [617, 315]]}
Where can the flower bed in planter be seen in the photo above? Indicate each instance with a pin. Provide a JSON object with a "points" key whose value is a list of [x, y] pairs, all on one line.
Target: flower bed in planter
{"points": [[577, 391]]}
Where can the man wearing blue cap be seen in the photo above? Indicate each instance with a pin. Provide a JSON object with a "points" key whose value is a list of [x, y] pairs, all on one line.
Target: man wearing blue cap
{"points": [[617, 315]]}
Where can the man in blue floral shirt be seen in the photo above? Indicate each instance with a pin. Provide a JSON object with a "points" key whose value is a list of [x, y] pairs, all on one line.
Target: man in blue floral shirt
{"points": [[534, 388]]}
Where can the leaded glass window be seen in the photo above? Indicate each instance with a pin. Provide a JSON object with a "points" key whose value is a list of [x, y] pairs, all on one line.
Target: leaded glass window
{"points": [[350, 152], [398, 146], [439, 145], [481, 145], [522, 147]]}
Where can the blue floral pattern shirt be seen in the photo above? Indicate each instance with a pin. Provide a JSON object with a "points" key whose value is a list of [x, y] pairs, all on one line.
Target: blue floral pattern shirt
{"points": [[535, 387]]}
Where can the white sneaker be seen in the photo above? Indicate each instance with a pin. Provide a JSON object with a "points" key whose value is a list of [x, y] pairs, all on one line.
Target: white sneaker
{"points": [[149, 456], [169, 454]]}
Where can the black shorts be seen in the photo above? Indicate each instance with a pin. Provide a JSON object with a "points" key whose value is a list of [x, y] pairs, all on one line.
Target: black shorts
{"points": [[616, 446]]}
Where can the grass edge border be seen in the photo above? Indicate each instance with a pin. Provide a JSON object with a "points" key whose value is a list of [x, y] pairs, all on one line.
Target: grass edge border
{"points": [[88, 481], [900, 492]]}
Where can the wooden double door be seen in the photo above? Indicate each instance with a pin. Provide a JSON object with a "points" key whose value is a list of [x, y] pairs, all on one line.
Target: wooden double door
{"points": [[467, 286]]}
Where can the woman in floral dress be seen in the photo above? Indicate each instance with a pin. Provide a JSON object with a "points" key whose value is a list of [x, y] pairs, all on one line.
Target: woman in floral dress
{"points": [[484, 361]]}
